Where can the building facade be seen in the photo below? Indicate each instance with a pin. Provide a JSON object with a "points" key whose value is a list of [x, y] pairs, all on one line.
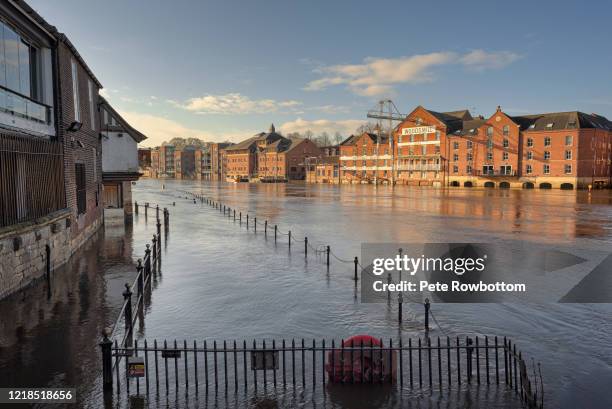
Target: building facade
{"points": [[184, 163], [269, 157], [218, 160], [120, 164], [166, 167], [50, 159], [202, 163], [366, 158]]}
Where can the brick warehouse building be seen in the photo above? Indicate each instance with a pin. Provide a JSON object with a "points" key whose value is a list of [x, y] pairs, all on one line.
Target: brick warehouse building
{"points": [[51, 153], [269, 157], [555, 150]]}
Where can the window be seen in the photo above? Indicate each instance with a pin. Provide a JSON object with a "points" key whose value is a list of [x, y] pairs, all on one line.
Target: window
{"points": [[568, 169], [455, 157], [506, 130], [455, 145], [455, 169], [437, 135], [490, 131], [547, 141], [468, 169], [529, 155], [505, 156], [437, 149], [487, 170], [550, 125], [506, 143], [546, 155], [568, 155], [529, 142], [418, 121], [505, 170], [490, 143], [469, 156], [569, 140], [92, 115], [546, 169], [489, 155], [529, 169], [75, 91], [424, 149], [470, 144], [81, 187]]}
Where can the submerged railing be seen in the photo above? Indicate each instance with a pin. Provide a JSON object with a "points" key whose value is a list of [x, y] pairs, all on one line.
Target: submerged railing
{"points": [[425, 363]]}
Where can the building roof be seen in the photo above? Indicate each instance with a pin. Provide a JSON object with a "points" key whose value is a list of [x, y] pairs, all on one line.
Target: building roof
{"points": [[270, 137], [452, 119], [470, 127], [135, 134], [29, 11], [562, 120], [351, 140]]}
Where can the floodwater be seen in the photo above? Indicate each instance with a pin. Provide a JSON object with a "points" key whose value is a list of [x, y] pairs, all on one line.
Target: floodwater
{"points": [[222, 282]]}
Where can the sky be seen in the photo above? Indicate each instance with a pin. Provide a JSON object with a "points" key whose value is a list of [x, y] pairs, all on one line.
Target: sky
{"points": [[225, 70]]}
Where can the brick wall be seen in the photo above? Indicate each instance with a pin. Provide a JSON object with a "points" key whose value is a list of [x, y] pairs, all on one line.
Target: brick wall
{"points": [[82, 146]]}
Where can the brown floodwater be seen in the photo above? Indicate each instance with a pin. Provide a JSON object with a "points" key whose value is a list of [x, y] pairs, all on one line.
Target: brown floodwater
{"points": [[221, 282]]}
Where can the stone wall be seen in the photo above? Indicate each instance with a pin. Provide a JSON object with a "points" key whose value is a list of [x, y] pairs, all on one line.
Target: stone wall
{"points": [[23, 248]]}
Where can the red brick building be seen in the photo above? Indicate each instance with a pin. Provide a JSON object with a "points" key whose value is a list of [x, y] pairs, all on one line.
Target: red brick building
{"points": [[366, 158], [269, 157]]}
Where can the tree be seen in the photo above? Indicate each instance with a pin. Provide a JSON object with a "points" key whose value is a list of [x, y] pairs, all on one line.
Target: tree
{"points": [[338, 138], [323, 139], [308, 134], [368, 127]]}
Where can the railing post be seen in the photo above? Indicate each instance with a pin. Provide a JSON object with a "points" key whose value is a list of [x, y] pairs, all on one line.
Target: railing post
{"points": [[265, 228], [400, 302], [356, 265], [107, 362], [275, 232], [305, 247], [157, 211], [136, 207], [247, 221], [255, 224], [289, 239], [148, 259], [166, 217], [140, 272], [158, 226], [328, 250], [127, 297], [154, 248], [427, 306], [234, 214], [146, 208], [240, 219]]}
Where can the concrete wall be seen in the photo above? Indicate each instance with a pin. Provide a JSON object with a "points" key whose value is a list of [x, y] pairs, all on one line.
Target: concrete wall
{"points": [[119, 153]]}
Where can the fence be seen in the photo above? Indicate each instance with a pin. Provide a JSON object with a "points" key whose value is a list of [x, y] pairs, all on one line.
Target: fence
{"points": [[31, 178], [425, 363]]}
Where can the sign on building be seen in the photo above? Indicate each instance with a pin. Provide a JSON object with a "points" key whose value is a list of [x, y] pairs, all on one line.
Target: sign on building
{"points": [[418, 130]]}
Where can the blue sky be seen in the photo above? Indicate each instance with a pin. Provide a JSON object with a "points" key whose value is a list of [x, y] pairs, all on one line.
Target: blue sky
{"points": [[227, 69]]}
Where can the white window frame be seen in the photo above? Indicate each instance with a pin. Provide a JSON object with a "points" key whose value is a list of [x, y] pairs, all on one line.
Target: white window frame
{"points": [[75, 90]]}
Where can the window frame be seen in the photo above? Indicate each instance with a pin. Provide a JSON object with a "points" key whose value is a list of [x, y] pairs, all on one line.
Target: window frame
{"points": [[74, 70]]}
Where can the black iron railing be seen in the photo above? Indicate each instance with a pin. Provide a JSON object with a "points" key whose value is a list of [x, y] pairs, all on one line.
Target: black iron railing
{"points": [[31, 178]]}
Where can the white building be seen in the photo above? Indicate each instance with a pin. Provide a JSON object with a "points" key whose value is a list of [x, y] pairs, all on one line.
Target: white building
{"points": [[119, 163]]}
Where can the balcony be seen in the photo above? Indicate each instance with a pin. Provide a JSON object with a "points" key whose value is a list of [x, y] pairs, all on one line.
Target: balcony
{"points": [[23, 107]]}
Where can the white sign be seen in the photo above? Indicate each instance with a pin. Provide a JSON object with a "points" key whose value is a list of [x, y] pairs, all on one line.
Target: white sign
{"points": [[417, 130]]}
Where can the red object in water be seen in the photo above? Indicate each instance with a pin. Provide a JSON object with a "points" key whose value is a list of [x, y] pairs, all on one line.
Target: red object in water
{"points": [[347, 366]]}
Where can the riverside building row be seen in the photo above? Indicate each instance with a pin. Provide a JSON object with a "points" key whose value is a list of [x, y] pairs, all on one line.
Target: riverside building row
{"points": [[58, 149], [554, 150]]}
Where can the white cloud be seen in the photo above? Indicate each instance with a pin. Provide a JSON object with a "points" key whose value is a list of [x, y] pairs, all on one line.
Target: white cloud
{"points": [[233, 103], [481, 60], [159, 129], [345, 127], [377, 76]]}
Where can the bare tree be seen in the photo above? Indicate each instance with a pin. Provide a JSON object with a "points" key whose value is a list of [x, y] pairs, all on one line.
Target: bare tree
{"points": [[308, 134], [368, 127], [338, 138], [323, 139]]}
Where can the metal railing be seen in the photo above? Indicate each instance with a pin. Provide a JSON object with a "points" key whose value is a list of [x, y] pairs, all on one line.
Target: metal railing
{"points": [[31, 178], [427, 363]]}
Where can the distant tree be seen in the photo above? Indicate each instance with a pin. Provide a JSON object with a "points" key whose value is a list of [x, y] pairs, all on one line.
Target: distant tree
{"points": [[323, 139], [294, 135], [367, 127], [338, 138], [308, 134]]}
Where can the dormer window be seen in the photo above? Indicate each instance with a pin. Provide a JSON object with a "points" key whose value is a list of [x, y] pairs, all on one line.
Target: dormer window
{"points": [[532, 126], [549, 125], [418, 121]]}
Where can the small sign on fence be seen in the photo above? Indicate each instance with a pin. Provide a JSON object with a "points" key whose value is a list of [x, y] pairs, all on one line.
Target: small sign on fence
{"points": [[136, 367], [264, 360], [171, 353]]}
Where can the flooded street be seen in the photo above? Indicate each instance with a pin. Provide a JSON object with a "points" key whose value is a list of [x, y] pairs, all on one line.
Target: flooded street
{"points": [[219, 281]]}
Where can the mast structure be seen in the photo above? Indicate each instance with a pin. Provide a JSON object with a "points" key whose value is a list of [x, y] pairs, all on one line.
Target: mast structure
{"points": [[386, 110]]}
